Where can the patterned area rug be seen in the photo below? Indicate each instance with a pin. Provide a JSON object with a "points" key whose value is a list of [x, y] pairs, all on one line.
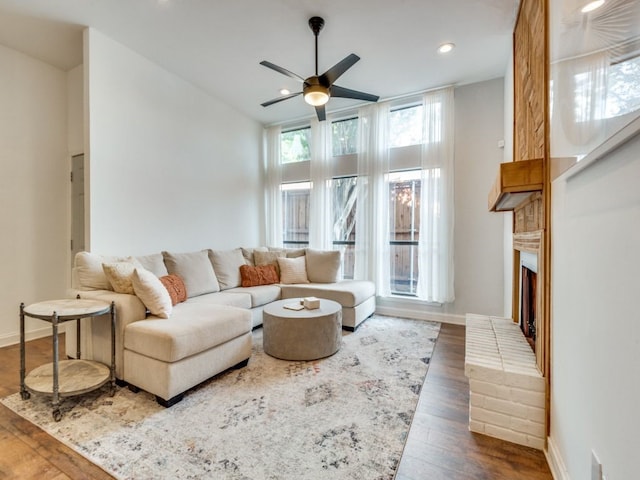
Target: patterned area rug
{"points": [[342, 417]]}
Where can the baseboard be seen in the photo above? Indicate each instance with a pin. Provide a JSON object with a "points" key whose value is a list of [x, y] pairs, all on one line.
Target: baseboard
{"points": [[556, 465], [14, 338], [420, 314]]}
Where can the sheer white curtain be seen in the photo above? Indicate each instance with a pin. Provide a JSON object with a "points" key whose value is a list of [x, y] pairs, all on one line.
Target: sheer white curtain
{"points": [[320, 220], [579, 102], [273, 179], [435, 264], [372, 211]]}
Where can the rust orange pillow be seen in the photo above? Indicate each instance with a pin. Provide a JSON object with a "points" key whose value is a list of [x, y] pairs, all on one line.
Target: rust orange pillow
{"points": [[258, 275], [176, 288]]}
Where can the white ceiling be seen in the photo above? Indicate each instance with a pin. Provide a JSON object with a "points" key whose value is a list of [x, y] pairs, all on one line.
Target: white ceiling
{"points": [[217, 45]]}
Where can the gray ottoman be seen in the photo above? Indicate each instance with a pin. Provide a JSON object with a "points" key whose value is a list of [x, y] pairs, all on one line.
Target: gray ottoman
{"points": [[302, 334]]}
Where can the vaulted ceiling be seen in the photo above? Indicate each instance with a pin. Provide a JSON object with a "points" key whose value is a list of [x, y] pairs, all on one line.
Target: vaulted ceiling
{"points": [[217, 45]]}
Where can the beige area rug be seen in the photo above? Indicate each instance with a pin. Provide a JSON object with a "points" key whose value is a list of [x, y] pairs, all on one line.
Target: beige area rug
{"points": [[342, 417]]}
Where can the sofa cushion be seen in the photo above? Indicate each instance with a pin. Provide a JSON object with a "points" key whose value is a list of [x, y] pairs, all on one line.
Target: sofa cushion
{"points": [[289, 252], [258, 275], [89, 272], [119, 275], [226, 265], [193, 328], [154, 263], [268, 258], [176, 288], [195, 269], [247, 253], [323, 266], [348, 293], [225, 298], [260, 295], [150, 290], [293, 270]]}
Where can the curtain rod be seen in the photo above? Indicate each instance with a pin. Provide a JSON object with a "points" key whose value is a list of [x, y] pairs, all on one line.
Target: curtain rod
{"points": [[346, 109]]}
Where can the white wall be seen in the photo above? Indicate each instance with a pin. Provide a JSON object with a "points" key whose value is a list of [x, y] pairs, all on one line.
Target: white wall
{"points": [[596, 319], [75, 110], [170, 167], [478, 232], [34, 188]]}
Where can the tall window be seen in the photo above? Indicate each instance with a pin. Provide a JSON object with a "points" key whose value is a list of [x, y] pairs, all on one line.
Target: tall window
{"points": [[344, 136], [404, 231], [344, 221], [295, 213], [294, 145]]}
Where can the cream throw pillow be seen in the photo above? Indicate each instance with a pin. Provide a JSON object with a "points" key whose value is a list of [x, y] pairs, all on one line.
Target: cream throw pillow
{"points": [[119, 275], [293, 270], [150, 290]]}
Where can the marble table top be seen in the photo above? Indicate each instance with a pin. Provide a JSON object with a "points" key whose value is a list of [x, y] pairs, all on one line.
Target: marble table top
{"points": [[74, 377], [67, 308]]}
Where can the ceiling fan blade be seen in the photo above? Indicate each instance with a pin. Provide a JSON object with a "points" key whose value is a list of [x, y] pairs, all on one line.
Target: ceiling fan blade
{"points": [[331, 75], [281, 70], [322, 116], [279, 99], [342, 92]]}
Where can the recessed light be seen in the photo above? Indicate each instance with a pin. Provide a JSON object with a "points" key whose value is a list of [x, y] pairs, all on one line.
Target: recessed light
{"points": [[446, 47], [284, 91], [591, 6]]}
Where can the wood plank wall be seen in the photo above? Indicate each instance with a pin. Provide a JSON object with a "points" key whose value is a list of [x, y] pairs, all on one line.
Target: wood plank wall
{"points": [[531, 140]]}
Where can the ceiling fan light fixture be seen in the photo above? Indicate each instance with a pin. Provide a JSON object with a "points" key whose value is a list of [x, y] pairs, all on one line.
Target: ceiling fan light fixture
{"points": [[591, 6], [316, 95]]}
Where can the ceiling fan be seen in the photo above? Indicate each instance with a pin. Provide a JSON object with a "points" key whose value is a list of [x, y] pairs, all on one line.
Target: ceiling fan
{"points": [[317, 89]]}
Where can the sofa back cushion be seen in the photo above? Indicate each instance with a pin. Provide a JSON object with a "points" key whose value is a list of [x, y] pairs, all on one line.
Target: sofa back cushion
{"points": [[323, 266], [247, 253], [293, 270], [195, 269], [226, 265], [268, 258], [154, 263], [89, 272]]}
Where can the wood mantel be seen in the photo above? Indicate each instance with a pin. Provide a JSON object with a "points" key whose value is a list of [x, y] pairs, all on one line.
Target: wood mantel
{"points": [[515, 183]]}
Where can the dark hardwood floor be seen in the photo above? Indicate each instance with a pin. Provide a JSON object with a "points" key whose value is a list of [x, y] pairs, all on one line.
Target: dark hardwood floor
{"points": [[439, 446]]}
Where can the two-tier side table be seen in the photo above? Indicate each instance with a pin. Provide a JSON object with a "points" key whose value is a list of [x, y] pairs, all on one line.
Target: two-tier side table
{"points": [[65, 378]]}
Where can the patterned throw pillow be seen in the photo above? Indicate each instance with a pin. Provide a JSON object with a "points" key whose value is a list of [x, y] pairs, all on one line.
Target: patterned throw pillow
{"points": [[119, 274], [260, 275], [176, 288]]}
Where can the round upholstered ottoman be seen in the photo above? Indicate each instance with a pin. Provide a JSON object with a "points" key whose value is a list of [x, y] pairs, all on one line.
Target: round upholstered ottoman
{"points": [[302, 334]]}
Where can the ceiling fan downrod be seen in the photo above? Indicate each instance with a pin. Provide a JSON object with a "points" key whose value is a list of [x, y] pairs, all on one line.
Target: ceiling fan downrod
{"points": [[316, 24]]}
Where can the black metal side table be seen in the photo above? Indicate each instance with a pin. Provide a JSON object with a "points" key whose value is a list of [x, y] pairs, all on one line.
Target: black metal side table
{"points": [[66, 378]]}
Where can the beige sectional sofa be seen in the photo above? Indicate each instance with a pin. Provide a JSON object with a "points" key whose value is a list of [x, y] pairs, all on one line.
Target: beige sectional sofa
{"points": [[165, 347]]}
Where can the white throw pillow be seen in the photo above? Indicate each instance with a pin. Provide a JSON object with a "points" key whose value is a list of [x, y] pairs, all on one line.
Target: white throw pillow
{"points": [[154, 263], [293, 270], [226, 265], [323, 266], [150, 290], [195, 269]]}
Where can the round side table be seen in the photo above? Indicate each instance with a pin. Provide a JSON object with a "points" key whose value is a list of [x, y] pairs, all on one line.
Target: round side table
{"points": [[67, 377]]}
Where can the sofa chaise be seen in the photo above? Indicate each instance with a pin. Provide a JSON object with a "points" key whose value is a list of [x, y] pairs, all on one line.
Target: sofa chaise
{"points": [[182, 318]]}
